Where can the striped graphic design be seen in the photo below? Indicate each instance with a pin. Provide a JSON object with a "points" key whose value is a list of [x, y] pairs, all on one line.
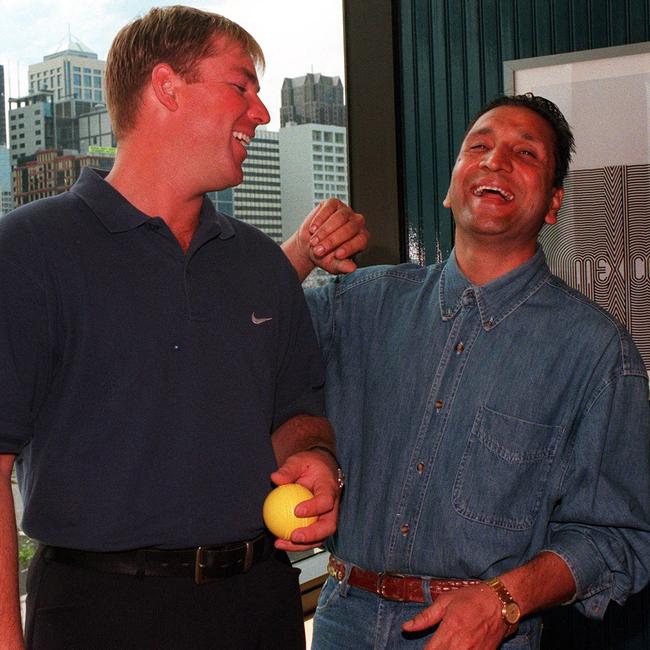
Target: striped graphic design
{"points": [[601, 243]]}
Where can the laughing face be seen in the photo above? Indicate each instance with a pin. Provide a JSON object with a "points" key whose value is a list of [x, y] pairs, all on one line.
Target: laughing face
{"points": [[220, 113], [502, 183]]}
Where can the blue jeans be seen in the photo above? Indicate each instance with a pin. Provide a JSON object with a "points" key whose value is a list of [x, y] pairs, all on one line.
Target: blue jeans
{"points": [[347, 617]]}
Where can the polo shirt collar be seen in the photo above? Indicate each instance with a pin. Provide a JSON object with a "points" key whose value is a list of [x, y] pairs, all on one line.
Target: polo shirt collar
{"points": [[118, 215], [496, 299]]}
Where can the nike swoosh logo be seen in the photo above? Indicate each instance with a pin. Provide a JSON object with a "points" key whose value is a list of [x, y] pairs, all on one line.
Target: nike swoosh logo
{"points": [[259, 321]]}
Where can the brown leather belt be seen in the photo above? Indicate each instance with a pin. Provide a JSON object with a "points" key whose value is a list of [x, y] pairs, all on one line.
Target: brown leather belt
{"points": [[395, 586], [203, 563]]}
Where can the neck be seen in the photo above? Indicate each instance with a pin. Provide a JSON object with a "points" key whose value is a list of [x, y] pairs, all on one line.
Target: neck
{"points": [[481, 263], [154, 190]]}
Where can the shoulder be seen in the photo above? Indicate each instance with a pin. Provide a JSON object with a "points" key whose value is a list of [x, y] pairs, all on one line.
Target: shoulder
{"points": [[42, 212], [599, 328], [401, 277]]}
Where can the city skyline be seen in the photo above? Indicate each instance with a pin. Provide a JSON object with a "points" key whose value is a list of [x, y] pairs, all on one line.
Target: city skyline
{"points": [[285, 29]]}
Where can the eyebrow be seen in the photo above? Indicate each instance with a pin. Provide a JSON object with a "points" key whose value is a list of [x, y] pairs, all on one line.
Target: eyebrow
{"points": [[486, 130], [251, 76]]}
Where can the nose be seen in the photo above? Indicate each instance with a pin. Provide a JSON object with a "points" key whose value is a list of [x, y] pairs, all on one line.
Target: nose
{"points": [[258, 111], [497, 158]]}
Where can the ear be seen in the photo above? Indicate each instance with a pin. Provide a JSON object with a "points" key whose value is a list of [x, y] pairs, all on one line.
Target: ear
{"points": [[164, 82], [554, 207]]}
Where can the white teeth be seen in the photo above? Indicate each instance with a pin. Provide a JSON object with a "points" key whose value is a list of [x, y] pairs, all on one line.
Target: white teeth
{"points": [[481, 189], [242, 137]]}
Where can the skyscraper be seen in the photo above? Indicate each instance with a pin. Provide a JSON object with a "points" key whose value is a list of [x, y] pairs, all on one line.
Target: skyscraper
{"points": [[313, 99], [73, 72], [313, 167], [257, 199], [3, 119]]}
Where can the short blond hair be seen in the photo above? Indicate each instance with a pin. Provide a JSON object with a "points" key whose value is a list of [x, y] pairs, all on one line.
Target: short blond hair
{"points": [[179, 36]]}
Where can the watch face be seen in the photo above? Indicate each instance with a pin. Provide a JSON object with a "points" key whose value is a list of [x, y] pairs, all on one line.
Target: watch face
{"points": [[512, 613]]}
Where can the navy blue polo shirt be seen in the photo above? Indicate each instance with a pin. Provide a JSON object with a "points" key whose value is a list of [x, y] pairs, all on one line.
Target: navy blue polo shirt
{"points": [[139, 385]]}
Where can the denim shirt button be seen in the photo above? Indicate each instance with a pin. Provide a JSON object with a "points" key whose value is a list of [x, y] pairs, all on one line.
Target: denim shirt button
{"points": [[459, 347], [420, 468], [488, 324], [439, 404], [405, 529]]}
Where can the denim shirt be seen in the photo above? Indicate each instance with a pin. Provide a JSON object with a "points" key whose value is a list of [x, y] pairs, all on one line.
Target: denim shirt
{"points": [[480, 425]]}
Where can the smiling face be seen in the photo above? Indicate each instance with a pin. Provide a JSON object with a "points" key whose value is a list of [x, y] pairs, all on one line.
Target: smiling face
{"points": [[501, 187], [218, 116]]}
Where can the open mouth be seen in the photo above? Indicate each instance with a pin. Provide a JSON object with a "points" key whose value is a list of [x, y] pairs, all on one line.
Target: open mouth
{"points": [[242, 138], [493, 189]]}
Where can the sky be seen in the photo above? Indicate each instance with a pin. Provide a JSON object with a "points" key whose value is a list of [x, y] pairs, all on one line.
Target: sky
{"points": [[297, 36]]}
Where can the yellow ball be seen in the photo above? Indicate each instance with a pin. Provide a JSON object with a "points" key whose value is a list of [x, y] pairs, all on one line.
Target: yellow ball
{"points": [[278, 509]]}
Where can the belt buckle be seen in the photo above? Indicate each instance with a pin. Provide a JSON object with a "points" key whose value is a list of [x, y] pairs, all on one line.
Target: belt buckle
{"points": [[200, 578], [380, 589]]}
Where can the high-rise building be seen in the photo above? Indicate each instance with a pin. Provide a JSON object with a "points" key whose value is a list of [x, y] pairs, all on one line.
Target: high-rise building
{"points": [[3, 119], [73, 72], [6, 194], [95, 130], [51, 172], [313, 167], [257, 199], [313, 99], [31, 125]]}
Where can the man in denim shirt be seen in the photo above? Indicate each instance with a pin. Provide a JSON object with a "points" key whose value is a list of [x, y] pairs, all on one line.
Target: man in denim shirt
{"points": [[492, 422]]}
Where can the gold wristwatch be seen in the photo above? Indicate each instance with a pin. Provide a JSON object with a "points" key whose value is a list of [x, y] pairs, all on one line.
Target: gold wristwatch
{"points": [[510, 611]]}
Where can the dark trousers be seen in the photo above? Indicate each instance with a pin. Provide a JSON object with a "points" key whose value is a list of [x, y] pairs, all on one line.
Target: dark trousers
{"points": [[78, 609]]}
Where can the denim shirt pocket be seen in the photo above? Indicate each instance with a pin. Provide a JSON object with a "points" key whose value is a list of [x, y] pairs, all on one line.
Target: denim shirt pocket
{"points": [[504, 469]]}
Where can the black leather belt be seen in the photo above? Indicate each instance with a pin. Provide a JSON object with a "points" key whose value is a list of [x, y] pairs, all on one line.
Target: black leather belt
{"points": [[203, 563]]}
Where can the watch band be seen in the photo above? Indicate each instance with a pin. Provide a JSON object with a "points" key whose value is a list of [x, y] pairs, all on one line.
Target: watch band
{"points": [[340, 474], [510, 611]]}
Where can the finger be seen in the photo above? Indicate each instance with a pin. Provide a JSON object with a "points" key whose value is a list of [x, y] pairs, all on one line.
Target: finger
{"points": [[286, 545], [331, 220], [315, 533], [320, 505], [322, 212], [424, 619], [284, 475], [340, 228]]}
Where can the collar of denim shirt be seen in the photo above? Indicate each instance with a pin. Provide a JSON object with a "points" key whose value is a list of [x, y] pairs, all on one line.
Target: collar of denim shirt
{"points": [[496, 300]]}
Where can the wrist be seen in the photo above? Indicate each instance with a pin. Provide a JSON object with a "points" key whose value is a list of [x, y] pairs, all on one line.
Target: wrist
{"points": [[298, 255], [510, 610], [340, 475]]}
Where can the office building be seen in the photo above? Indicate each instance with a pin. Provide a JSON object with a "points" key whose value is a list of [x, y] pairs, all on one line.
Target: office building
{"points": [[3, 119], [73, 72], [6, 193], [313, 99], [257, 199], [313, 167], [95, 130], [31, 125], [51, 172]]}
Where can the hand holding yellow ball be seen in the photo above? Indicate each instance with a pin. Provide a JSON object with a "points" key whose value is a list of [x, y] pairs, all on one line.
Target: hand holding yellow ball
{"points": [[279, 506]]}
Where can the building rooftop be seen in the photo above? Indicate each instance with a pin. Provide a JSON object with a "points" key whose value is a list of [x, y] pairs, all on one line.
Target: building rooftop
{"points": [[70, 45]]}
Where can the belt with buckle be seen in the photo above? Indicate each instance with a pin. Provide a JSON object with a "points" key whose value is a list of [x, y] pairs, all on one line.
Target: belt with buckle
{"points": [[203, 563], [395, 586]]}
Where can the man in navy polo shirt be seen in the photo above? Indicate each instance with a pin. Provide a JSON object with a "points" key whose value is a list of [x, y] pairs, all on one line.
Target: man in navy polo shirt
{"points": [[157, 364]]}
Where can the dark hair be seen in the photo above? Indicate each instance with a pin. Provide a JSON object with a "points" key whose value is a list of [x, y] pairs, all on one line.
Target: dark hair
{"points": [[564, 141], [177, 35]]}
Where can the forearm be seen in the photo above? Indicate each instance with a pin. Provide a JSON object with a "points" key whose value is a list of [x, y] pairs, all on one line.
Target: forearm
{"points": [[10, 623], [301, 433], [543, 582]]}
